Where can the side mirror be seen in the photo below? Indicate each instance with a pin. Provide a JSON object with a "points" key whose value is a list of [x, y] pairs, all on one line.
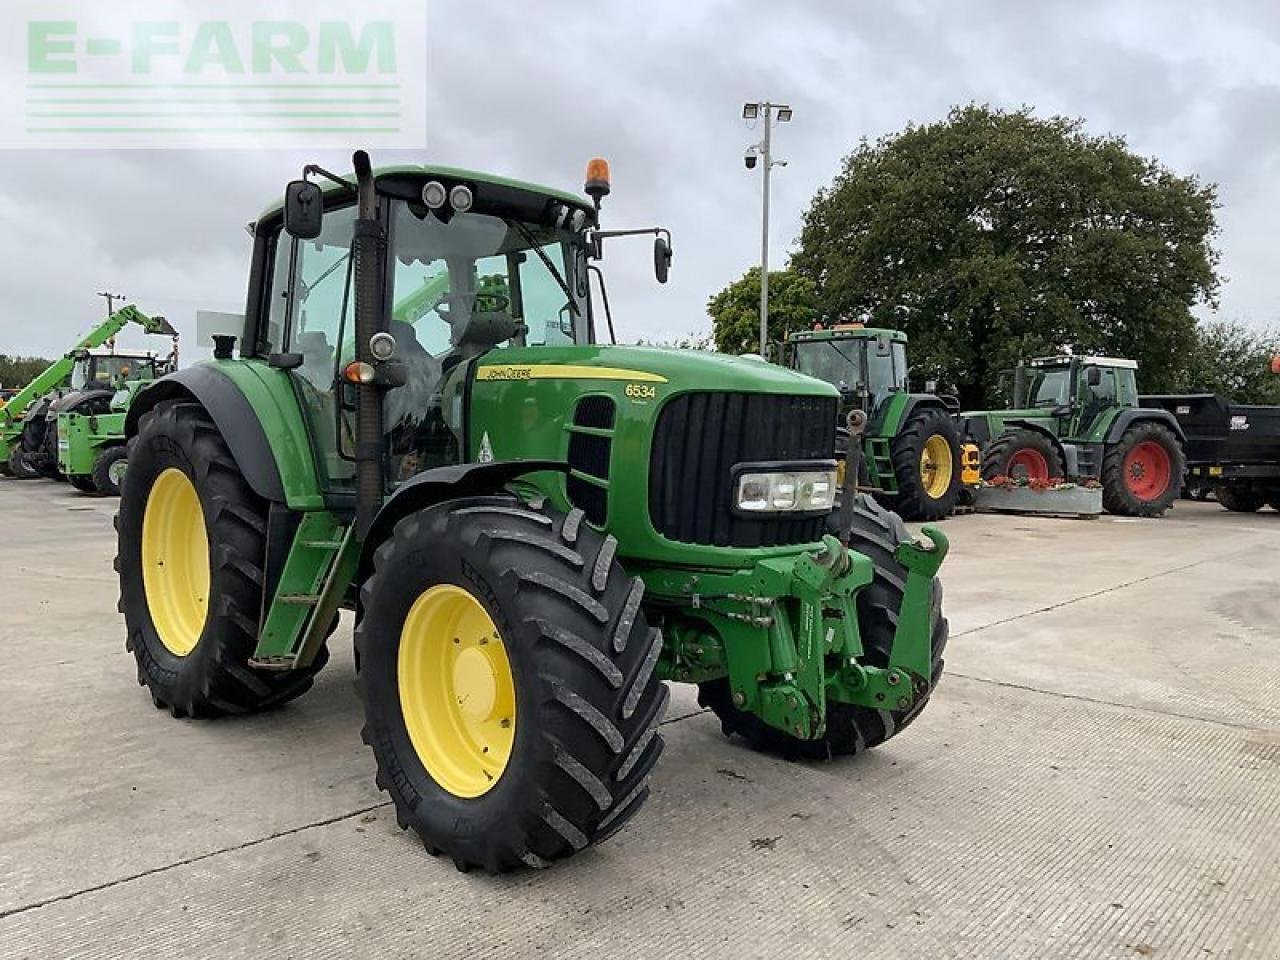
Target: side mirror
{"points": [[661, 259], [882, 346], [303, 209], [1093, 376], [931, 386]]}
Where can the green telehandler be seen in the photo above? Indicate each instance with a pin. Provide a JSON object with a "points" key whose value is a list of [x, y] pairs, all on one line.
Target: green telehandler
{"points": [[28, 433], [912, 457], [534, 529], [91, 449], [1078, 418]]}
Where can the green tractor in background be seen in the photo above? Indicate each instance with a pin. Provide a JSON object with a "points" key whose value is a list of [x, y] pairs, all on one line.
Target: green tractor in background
{"points": [[89, 429], [28, 434], [533, 529], [912, 457], [1077, 418]]}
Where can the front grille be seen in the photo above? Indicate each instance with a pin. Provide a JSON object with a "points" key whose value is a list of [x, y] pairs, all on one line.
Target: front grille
{"points": [[701, 436]]}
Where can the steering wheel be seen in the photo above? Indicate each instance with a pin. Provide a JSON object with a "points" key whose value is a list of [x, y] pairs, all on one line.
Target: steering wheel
{"points": [[500, 302]]}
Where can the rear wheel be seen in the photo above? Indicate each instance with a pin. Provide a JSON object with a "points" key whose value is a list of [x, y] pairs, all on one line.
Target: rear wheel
{"points": [[191, 546], [1239, 498], [1142, 473], [926, 464], [507, 674], [108, 470], [1022, 453], [876, 532]]}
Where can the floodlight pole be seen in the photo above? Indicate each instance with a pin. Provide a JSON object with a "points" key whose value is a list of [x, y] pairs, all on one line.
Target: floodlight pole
{"points": [[764, 237], [764, 150]]}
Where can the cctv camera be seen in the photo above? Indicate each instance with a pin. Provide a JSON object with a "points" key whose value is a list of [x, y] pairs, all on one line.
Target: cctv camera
{"points": [[750, 161]]}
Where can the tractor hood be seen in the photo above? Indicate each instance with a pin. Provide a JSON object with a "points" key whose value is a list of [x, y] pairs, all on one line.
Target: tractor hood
{"points": [[680, 369]]}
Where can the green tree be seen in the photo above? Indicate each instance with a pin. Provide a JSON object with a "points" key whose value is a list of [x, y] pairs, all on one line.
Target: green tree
{"points": [[735, 310], [1231, 359], [18, 371], [694, 340], [993, 236]]}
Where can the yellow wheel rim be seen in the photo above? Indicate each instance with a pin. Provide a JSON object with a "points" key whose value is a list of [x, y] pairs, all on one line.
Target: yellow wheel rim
{"points": [[175, 561], [936, 466], [457, 693]]}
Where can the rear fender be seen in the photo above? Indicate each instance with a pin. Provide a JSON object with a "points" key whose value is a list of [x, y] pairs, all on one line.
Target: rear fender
{"points": [[1127, 418], [233, 414]]}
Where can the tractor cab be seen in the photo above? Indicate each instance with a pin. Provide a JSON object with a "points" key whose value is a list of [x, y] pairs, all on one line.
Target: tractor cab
{"points": [[107, 371], [1074, 392], [867, 365]]}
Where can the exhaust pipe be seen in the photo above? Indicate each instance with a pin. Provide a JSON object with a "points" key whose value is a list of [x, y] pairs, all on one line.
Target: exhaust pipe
{"points": [[368, 253]]}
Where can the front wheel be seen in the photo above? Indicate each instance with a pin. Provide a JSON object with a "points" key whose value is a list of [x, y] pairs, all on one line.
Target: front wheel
{"points": [[19, 468], [108, 470], [876, 533], [1142, 473], [1022, 454], [507, 673]]}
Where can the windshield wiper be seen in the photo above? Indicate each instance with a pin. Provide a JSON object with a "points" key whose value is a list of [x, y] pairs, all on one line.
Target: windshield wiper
{"points": [[528, 237]]}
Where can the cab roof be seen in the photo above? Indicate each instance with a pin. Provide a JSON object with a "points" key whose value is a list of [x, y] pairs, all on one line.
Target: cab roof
{"points": [[1089, 361], [453, 173], [848, 332]]}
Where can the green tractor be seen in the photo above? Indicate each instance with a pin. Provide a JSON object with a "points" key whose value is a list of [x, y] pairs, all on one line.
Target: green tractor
{"points": [[534, 529], [91, 448], [912, 457], [88, 374], [1077, 418]]}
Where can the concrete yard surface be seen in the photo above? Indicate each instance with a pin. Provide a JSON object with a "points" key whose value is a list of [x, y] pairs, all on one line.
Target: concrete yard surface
{"points": [[1098, 776]]}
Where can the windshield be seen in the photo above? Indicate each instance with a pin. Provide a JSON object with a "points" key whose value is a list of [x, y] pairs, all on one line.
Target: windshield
{"points": [[478, 281], [839, 364], [109, 371], [1050, 388]]}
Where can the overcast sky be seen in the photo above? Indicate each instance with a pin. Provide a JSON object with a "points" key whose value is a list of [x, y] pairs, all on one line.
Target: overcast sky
{"points": [[533, 89]]}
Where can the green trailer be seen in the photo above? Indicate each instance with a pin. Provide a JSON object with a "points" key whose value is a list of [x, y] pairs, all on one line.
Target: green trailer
{"points": [[913, 459], [1078, 418], [534, 529]]}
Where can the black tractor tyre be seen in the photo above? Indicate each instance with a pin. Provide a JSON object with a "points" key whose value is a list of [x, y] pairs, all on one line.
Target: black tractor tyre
{"points": [[215, 677], [19, 469], [1118, 496], [1001, 452], [82, 482], [1239, 498], [107, 473], [582, 663], [914, 501], [876, 532]]}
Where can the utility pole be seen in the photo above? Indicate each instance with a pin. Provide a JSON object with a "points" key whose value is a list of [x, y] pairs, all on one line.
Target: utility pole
{"points": [[111, 299], [764, 150]]}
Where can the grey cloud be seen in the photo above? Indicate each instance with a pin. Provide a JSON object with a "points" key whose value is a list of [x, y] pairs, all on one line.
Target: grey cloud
{"points": [[535, 89]]}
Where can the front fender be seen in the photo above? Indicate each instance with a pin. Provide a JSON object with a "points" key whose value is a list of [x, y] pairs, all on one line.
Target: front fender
{"points": [[444, 483]]}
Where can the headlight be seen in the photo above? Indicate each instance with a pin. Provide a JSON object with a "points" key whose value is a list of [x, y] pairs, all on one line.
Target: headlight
{"points": [[806, 491]]}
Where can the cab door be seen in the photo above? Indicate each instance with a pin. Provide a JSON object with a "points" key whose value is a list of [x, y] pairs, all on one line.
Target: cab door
{"points": [[312, 321]]}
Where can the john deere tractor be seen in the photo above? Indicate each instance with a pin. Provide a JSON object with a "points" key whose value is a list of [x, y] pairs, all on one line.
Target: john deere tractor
{"points": [[912, 456], [534, 530], [1077, 417]]}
